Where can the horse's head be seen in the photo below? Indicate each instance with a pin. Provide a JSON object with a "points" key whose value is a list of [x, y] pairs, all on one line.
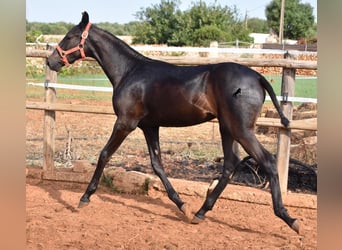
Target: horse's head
{"points": [[72, 46]]}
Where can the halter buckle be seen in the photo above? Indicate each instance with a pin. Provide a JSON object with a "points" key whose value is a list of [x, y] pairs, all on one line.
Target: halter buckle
{"points": [[85, 34]]}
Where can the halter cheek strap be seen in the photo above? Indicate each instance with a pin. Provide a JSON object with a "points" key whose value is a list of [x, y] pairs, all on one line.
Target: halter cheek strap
{"points": [[79, 47]]}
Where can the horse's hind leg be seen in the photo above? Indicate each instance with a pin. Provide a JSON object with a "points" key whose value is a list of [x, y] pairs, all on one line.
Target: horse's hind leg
{"points": [[266, 160], [152, 139], [230, 164], [120, 132]]}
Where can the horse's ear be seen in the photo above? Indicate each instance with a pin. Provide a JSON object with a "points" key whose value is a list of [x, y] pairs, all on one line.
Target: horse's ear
{"points": [[85, 19]]}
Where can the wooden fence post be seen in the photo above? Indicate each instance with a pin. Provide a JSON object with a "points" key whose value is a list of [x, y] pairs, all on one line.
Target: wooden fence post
{"points": [[284, 135], [49, 121], [214, 52]]}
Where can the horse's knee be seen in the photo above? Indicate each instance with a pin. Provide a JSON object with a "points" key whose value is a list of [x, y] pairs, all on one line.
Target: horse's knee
{"points": [[104, 156]]}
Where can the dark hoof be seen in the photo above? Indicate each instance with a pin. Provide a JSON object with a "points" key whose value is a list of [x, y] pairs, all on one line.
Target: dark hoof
{"points": [[83, 203], [295, 226], [196, 220]]}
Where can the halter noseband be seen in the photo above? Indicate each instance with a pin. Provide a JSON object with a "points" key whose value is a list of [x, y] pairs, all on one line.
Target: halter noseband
{"points": [[79, 47]]}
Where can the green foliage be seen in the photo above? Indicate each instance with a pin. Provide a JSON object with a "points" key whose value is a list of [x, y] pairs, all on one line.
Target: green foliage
{"points": [[298, 18], [145, 186], [257, 25], [83, 68], [201, 14], [157, 23], [204, 35], [218, 21], [35, 29], [32, 36], [164, 23], [59, 28], [107, 181], [118, 29]]}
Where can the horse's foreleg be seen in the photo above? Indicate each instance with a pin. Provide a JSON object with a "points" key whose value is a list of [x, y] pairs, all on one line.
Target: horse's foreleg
{"points": [[119, 133], [152, 139], [230, 163]]}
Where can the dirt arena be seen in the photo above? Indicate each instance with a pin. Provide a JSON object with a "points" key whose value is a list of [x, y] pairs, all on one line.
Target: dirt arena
{"points": [[126, 221], [123, 221]]}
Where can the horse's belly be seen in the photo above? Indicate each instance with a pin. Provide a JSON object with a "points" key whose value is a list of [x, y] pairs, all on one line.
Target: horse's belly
{"points": [[177, 119]]}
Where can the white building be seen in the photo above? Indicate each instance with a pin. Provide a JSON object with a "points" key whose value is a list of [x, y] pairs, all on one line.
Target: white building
{"points": [[260, 38]]}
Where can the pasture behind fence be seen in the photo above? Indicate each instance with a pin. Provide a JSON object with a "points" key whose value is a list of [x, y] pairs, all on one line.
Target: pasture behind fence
{"points": [[289, 65]]}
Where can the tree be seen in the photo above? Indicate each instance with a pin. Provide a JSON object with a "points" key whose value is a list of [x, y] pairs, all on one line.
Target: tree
{"points": [[158, 22], [298, 18], [118, 29], [206, 23], [35, 29], [31, 34], [202, 23], [257, 25], [208, 33]]}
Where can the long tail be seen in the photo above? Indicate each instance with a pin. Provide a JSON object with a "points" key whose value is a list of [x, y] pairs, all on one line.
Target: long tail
{"points": [[267, 86]]}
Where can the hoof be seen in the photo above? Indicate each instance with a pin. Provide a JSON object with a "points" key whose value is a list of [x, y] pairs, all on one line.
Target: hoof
{"points": [[185, 208], [83, 204], [295, 226], [196, 220]]}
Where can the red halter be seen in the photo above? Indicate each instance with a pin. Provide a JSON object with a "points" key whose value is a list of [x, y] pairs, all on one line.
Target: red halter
{"points": [[79, 47]]}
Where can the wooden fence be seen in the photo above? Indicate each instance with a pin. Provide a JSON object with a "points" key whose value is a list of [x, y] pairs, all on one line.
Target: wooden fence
{"points": [[301, 47], [289, 65]]}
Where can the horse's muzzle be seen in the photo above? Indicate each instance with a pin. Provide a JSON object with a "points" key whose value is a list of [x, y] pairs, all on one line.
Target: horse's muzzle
{"points": [[53, 64]]}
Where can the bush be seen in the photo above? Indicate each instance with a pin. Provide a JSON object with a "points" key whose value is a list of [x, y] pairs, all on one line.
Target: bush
{"points": [[203, 36]]}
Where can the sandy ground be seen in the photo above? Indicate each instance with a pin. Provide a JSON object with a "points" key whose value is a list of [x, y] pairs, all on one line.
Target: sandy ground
{"points": [[123, 221]]}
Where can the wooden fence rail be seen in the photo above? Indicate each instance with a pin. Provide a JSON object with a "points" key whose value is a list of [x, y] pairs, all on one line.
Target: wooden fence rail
{"points": [[288, 64], [186, 60], [305, 124]]}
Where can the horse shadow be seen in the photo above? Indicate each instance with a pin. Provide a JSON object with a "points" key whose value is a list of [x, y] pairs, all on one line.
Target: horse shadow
{"points": [[55, 192], [148, 200], [178, 215], [244, 229], [175, 214]]}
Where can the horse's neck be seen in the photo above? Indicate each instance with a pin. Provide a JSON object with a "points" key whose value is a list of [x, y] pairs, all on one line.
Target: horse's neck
{"points": [[114, 57]]}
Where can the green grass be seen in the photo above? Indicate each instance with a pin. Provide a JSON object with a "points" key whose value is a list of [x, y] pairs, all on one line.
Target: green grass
{"points": [[98, 80], [303, 87]]}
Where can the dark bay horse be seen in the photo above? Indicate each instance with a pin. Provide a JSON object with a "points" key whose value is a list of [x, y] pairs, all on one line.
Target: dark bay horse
{"points": [[150, 93]]}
